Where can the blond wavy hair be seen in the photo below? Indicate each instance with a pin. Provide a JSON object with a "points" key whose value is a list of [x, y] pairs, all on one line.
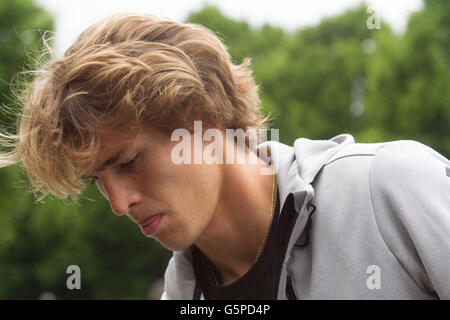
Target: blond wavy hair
{"points": [[126, 71]]}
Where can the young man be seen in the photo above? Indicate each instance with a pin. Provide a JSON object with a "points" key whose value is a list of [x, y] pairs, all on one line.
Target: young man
{"points": [[327, 219]]}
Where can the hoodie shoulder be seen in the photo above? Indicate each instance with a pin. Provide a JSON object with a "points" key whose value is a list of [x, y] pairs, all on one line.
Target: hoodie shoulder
{"points": [[356, 149], [410, 193], [407, 159]]}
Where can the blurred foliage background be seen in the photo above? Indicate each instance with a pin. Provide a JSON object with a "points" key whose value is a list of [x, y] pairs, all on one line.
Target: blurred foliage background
{"points": [[335, 77]]}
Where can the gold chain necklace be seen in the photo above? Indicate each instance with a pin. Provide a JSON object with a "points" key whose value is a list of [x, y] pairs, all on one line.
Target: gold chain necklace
{"points": [[270, 221]]}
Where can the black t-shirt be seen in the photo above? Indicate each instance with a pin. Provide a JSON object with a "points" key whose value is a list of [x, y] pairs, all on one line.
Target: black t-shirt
{"points": [[261, 281]]}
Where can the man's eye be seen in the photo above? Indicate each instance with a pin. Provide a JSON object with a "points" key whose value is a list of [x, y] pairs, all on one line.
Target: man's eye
{"points": [[130, 163], [92, 180]]}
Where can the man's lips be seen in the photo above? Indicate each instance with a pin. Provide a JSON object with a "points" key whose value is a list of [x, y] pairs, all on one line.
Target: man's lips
{"points": [[150, 225], [149, 220]]}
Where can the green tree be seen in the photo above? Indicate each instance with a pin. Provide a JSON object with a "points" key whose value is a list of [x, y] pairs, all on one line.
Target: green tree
{"points": [[409, 80], [21, 27]]}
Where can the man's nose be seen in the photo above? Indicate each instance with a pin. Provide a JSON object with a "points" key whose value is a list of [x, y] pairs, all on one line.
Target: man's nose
{"points": [[120, 195]]}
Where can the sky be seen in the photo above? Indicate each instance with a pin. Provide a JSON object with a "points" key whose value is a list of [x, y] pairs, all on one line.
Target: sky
{"points": [[73, 16]]}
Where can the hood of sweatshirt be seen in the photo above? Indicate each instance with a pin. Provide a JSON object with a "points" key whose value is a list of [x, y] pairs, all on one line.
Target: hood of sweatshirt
{"points": [[296, 167]]}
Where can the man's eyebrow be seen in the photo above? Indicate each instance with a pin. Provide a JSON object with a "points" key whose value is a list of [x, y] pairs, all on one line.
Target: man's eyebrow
{"points": [[111, 160]]}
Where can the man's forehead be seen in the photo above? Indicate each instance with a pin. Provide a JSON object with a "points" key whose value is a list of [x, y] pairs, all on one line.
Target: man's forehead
{"points": [[113, 140]]}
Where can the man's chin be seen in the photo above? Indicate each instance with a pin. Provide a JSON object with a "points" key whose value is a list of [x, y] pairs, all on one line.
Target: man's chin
{"points": [[174, 246]]}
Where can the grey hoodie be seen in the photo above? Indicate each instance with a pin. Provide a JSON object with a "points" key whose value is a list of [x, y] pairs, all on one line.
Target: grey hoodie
{"points": [[380, 228]]}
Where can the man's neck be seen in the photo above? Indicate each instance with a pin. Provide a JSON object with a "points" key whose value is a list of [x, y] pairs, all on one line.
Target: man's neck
{"points": [[234, 236]]}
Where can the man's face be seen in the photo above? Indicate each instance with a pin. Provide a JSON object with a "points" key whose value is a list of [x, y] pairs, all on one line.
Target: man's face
{"points": [[145, 182]]}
